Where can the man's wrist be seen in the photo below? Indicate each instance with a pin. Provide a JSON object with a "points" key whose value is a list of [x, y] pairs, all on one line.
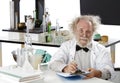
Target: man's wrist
{"points": [[98, 73], [64, 69]]}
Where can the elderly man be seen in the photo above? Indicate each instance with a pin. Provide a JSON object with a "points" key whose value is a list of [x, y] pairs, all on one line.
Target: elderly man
{"points": [[82, 52]]}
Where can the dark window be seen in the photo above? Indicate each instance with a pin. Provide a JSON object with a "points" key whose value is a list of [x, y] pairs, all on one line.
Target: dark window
{"points": [[108, 10]]}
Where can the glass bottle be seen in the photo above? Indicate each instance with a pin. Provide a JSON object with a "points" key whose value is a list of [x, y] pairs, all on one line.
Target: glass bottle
{"points": [[43, 34], [57, 28], [48, 36], [58, 38], [49, 24], [28, 39]]}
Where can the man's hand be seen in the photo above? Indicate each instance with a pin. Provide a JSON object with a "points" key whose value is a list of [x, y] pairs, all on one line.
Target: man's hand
{"points": [[93, 73], [70, 68]]}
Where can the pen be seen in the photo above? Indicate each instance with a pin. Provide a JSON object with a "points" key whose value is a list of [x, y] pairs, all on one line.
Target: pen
{"points": [[78, 71]]}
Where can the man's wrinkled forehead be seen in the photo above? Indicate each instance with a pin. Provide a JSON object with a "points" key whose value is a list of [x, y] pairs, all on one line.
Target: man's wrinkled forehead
{"points": [[84, 22]]}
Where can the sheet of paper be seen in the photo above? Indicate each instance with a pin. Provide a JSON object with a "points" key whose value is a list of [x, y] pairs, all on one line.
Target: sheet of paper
{"points": [[69, 75]]}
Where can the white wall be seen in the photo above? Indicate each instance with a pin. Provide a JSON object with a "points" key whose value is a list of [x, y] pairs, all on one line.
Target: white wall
{"points": [[4, 15], [64, 10], [113, 32], [26, 8]]}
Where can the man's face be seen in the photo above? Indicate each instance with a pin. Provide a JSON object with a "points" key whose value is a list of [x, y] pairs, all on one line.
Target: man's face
{"points": [[84, 32]]}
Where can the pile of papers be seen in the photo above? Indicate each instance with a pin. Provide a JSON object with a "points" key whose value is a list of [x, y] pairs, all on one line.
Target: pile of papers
{"points": [[19, 74]]}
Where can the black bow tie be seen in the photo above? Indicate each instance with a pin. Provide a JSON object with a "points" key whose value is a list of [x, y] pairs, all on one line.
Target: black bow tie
{"points": [[79, 48]]}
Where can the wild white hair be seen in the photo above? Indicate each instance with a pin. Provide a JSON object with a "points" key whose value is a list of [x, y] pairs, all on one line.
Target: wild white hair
{"points": [[95, 20]]}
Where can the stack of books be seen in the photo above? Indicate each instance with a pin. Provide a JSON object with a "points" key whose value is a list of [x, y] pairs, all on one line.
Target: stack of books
{"points": [[19, 74]]}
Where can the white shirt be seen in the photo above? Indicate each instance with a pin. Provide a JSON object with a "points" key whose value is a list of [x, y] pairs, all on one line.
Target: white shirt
{"points": [[82, 59]]}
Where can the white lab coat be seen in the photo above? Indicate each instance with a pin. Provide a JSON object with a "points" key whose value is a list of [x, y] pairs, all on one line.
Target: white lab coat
{"points": [[100, 56]]}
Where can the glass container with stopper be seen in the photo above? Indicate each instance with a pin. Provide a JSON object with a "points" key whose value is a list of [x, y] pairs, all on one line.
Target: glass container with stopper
{"points": [[28, 47]]}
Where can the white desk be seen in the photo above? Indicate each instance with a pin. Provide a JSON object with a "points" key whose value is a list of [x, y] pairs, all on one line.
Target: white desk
{"points": [[52, 77]]}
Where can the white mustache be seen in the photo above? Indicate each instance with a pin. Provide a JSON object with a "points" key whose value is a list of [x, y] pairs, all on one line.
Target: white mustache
{"points": [[83, 38]]}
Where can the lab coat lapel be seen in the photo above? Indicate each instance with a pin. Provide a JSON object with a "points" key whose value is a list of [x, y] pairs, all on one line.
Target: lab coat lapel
{"points": [[72, 50], [93, 55], [92, 58]]}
